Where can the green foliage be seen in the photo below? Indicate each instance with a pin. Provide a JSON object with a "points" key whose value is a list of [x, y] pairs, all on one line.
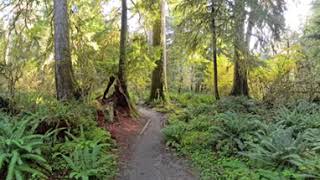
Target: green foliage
{"points": [[207, 109], [303, 115], [90, 161], [174, 133], [141, 62], [239, 104], [194, 140], [86, 155], [238, 138], [278, 148], [288, 136], [204, 160], [232, 131], [311, 166], [212, 167], [189, 99], [20, 150], [202, 125], [52, 114], [312, 136], [51, 127], [85, 139]]}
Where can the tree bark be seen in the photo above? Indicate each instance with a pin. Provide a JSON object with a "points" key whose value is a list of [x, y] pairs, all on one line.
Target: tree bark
{"points": [[121, 88], [158, 84], [240, 81], [164, 42], [63, 68], [214, 48]]}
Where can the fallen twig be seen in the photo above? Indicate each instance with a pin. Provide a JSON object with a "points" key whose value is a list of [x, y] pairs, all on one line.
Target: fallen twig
{"points": [[145, 127]]}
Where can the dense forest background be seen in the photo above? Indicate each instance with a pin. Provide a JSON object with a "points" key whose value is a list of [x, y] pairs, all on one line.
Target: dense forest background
{"points": [[239, 85], [196, 38]]}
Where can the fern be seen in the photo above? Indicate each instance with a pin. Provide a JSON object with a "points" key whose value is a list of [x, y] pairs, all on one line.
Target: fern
{"points": [[73, 142], [312, 136], [279, 148], [174, 133], [233, 130], [20, 150], [300, 116], [88, 162]]}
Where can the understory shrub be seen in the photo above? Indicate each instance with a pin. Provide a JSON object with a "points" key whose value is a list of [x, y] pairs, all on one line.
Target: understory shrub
{"points": [[239, 138], [90, 161], [303, 116], [239, 104], [21, 155], [45, 127], [232, 131], [174, 133], [278, 148], [189, 99]]}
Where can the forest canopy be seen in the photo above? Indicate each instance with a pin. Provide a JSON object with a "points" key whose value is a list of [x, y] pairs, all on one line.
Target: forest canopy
{"points": [[197, 34]]}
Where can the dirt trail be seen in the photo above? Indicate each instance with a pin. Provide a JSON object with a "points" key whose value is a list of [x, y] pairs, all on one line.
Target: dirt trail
{"points": [[149, 158]]}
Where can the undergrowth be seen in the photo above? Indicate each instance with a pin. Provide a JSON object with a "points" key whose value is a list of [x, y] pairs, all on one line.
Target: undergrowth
{"points": [[239, 138], [46, 139]]}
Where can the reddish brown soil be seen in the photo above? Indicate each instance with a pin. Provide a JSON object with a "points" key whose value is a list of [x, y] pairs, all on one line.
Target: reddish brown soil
{"points": [[124, 131]]}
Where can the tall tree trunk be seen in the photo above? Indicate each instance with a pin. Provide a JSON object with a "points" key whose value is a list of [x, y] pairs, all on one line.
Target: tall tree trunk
{"points": [[158, 84], [214, 48], [121, 88], [63, 69], [240, 81], [164, 42]]}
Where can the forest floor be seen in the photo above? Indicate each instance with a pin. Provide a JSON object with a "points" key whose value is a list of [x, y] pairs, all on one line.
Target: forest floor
{"points": [[144, 156]]}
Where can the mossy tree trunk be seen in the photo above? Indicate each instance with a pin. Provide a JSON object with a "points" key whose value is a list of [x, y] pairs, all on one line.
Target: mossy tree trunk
{"points": [[121, 87], [65, 85], [159, 84], [240, 80], [214, 48]]}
